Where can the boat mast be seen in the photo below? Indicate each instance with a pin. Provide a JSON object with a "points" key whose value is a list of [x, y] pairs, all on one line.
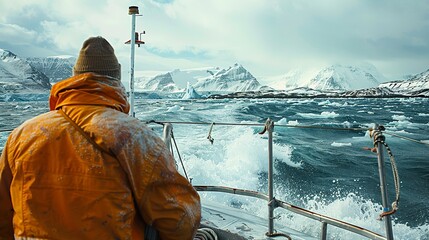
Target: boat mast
{"points": [[133, 10]]}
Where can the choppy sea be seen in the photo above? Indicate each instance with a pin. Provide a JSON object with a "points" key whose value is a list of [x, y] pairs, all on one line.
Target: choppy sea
{"points": [[324, 168]]}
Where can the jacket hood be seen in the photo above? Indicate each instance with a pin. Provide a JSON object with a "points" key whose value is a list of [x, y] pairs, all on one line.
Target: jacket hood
{"points": [[89, 89]]}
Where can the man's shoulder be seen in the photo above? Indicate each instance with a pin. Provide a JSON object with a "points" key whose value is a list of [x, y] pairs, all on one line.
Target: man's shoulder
{"points": [[44, 122], [47, 118], [121, 131], [117, 121]]}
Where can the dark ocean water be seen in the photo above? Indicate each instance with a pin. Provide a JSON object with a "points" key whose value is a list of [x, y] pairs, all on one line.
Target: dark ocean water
{"points": [[325, 170], [331, 171]]}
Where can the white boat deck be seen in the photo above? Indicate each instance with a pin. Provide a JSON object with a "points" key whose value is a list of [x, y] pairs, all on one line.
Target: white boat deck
{"points": [[242, 223]]}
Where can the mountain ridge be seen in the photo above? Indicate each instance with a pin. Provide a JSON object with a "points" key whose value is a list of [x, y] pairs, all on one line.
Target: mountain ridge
{"points": [[56, 68], [233, 78], [17, 75], [333, 77], [31, 74]]}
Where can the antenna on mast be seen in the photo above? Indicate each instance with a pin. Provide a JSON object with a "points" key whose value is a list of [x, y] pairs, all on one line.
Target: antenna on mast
{"points": [[133, 11]]}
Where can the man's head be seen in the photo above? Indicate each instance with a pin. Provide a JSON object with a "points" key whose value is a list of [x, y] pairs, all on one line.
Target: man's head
{"points": [[97, 56]]}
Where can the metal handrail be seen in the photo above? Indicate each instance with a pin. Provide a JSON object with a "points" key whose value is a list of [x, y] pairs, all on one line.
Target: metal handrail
{"points": [[237, 191], [378, 137], [274, 203], [298, 210]]}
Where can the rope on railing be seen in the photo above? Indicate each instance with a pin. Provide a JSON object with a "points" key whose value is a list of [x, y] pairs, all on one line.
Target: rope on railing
{"points": [[205, 234], [380, 139]]}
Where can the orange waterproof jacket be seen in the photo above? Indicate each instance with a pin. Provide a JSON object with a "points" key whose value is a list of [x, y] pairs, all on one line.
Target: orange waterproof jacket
{"points": [[54, 184]]}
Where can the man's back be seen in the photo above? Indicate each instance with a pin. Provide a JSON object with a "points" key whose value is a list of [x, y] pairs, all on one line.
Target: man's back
{"points": [[65, 187], [59, 180]]}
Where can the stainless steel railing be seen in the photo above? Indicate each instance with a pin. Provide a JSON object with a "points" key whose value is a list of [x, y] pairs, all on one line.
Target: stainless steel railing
{"points": [[274, 203]]}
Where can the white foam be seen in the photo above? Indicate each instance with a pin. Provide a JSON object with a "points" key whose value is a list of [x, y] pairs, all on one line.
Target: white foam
{"points": [[293, 123], [175, 108], [282, 121], [350, 208], [337, 144], [404, 132], [235, 159], [347, 124], [321, 115], [401, 118], [334, 104], [359, 211], [23, 107], [403, 124], [300, 101], [329, 114], [326, 102]]}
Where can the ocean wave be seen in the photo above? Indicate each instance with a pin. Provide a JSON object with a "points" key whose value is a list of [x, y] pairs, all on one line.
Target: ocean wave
{"points": [[337, 144], [175, 108], [321, 115]]}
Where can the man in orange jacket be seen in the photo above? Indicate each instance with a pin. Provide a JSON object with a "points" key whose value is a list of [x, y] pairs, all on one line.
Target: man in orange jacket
{"points": [[87, 170]]}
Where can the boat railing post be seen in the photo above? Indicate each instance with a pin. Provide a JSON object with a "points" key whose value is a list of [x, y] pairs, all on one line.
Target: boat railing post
{"points": [[133, 10], [269, 125], [324, 231], [166, 135], [378, 139]]}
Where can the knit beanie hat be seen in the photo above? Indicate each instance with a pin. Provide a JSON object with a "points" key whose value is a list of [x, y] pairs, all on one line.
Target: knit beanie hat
{"points": [[97, 56]]}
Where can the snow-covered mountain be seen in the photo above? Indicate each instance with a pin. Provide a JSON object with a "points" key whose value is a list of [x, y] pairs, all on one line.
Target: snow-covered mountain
{"points": [[340, 77], [17, 75], [192, 76], [162, 82], [295, 78], [416, 85], [417, 82], [335, 77], [56, 68], [234, 78]]}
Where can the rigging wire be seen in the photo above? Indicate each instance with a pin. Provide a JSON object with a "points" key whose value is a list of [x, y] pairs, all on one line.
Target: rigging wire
{"points": [[289, 126], [407, 138], [6, 130], [262, 125], [178, 153]]}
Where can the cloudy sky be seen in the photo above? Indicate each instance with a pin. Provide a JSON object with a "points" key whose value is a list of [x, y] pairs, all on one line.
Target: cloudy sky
{"points": [[268, 37]]}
